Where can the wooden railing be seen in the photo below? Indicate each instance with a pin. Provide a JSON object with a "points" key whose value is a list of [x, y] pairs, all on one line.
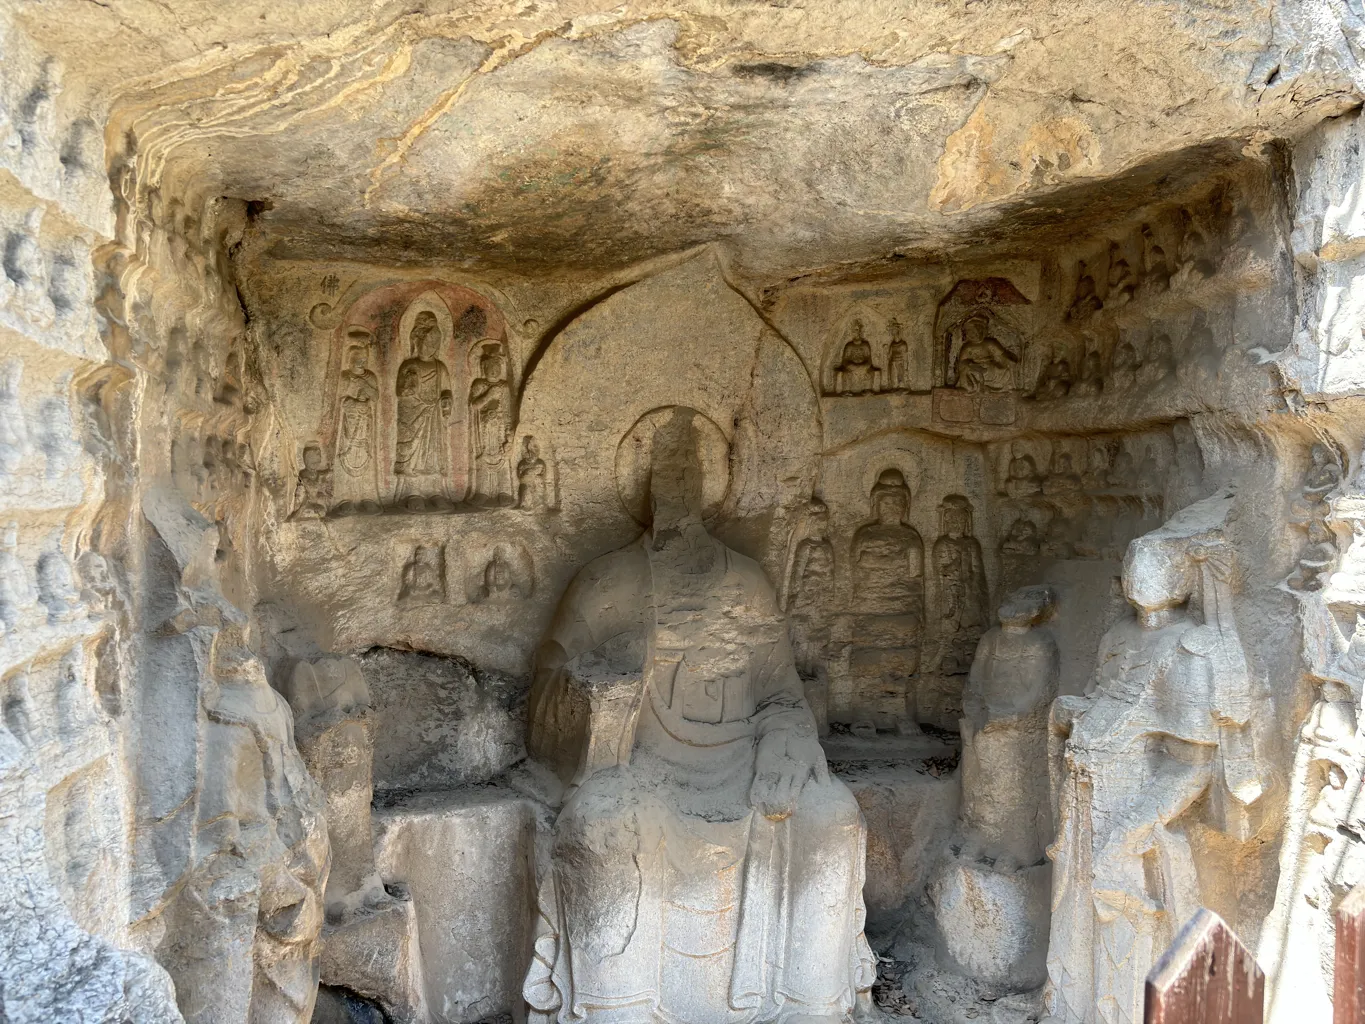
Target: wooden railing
{"points": [[1208, 977]]}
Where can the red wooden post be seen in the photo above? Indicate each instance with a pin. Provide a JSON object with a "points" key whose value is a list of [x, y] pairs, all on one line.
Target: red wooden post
{"points": [[1348, 984], [1206, 977]]}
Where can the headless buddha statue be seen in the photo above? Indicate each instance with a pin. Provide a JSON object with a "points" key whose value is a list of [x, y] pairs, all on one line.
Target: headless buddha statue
{"points": [[705, 866]]}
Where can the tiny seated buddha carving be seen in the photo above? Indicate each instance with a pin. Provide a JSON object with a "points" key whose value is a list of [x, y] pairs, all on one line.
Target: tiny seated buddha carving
{"points": [[705, 865], [983, 364], [855, 374], [1055, 381]]}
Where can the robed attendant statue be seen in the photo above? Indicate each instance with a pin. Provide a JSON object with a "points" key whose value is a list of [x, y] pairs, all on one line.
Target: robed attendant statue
{"points": [[422, 456], [705, 866]]}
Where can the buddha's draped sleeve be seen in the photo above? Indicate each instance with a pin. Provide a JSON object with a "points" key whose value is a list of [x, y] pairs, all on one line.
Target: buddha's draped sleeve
{"points": [[609, 597]]}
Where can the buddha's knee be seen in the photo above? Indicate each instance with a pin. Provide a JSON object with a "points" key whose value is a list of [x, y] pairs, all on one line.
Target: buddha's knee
{"points": [[826, 805]]}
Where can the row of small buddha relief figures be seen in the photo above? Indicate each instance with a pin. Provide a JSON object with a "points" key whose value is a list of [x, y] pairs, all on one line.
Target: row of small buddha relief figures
{"points": [[211, 458], [420, 407], [324, 490], [437, 574], [983, 363], [886, 558], [1135, 464], [1099, 527], [1173, 253], [48, 592], [43, 284]]}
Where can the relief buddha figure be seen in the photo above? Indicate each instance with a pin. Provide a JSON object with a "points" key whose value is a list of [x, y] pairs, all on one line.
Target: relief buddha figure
{"points": [[1024, 479], [422, 460], [705, 866], [897, 359], [355, 465], [888, 554], [983, 364], [855, 374], [533, 485], [490, 418], [809, 581], [963, 605], [888, 580]]}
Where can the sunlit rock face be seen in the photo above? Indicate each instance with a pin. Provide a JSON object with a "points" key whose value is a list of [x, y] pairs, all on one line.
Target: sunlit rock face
{"points": [[724, 512]]}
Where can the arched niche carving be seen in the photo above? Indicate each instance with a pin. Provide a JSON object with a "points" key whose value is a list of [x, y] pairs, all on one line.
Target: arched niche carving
{"points": [[413, 352], [980, 338], [868, 352], [682, 337]]}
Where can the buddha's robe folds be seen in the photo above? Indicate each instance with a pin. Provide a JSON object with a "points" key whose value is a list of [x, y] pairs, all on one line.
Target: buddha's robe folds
{"points": [[669, 896], [421, 458]]}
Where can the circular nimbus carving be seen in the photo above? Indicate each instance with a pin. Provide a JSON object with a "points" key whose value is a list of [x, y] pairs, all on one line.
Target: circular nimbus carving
{"points": [[633, 458]]}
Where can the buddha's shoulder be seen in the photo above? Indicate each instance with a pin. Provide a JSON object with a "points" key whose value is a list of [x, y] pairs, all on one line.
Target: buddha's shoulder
{"points": [[624, 564], [748, 570]]}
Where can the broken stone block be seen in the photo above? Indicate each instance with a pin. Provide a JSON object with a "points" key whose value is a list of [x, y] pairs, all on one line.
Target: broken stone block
{"points": [[466, 859]]}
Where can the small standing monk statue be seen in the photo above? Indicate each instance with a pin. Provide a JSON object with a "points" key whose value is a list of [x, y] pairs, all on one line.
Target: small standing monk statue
{"points": [[490, 419], [533, 489], [422, 460], [991, 894], [705, 866], [356, 468], [897, 359], [313, 496]]}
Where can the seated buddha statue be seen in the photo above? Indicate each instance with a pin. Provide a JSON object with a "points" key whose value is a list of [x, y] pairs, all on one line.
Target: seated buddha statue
{"points": [[705, 866]]}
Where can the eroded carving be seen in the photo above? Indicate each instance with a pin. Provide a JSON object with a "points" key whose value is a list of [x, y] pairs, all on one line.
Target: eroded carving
{"points": [[423, 579], [962, 598], [507, 575], [991, 895], [664, 889], [535, 485], [14, 442], [355, 484], [856, 374], [313, 494], [809, 583], [979, 352], [248, 916], [421, 461], [1167, 734], [884, 633], [1311, 511], [57, 590], [423, 398], [490, 416], [17, 596]]}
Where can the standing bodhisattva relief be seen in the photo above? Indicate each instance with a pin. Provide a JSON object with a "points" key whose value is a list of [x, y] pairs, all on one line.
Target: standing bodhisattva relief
{"points": [[1168, 736], [705, 866]]}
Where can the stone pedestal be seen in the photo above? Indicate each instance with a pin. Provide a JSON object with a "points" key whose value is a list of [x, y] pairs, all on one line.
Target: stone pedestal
{"points": [[467, 860], [907, 811], [994, 923], [374, 953]]}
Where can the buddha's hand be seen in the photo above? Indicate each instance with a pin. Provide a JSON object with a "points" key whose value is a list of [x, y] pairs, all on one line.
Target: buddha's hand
{"points": [[787, 757]]}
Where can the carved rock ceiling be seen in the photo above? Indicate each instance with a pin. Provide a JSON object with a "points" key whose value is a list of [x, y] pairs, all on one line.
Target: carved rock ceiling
{"points": [[587, 135]]}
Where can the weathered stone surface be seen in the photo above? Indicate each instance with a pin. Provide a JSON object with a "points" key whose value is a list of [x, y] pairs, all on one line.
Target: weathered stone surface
{"points": [[341, 331], [467, 862]]}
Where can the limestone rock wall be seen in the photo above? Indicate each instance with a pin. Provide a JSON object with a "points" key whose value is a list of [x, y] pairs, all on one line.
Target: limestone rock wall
{"points": [[66, 834], [340, 332]]}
